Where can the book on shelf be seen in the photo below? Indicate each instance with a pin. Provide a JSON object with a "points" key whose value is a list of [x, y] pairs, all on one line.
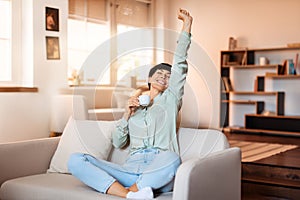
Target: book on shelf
{"points": [[255, 85], [227, 84], [290, 69], [225, 59], [282, 69], [296, 64], [245, 58], [259, 84]]}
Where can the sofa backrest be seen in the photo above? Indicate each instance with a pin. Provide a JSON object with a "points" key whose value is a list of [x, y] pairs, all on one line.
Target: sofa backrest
{"points": [[200, 142], [192, 143], [24, 158]]}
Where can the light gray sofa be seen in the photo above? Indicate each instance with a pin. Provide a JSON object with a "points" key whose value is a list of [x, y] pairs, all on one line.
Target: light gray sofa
{"points": [[211, 170]]}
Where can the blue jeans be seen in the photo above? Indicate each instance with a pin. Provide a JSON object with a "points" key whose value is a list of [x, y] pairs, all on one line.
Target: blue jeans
{"points": [[147, 168]]}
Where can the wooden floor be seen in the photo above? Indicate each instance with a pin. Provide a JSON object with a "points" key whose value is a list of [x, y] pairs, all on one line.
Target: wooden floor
{"points": [[272, 170]]}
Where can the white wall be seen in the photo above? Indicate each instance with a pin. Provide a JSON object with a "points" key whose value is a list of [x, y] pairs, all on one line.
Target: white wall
{"points": [[26, 115], [256, 24]]}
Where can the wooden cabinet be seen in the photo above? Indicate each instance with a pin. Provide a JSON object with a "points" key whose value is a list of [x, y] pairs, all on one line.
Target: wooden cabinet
{"points": [[260, 97]]}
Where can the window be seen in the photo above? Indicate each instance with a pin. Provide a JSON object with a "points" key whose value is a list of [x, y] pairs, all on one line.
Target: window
{"points": [[133, 65], [87, 28], [10, 40], [83, 38], [92, 22], [5, 41], [131, 15]]}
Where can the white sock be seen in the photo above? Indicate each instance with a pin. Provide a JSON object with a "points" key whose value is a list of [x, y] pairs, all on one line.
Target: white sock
{"points": [[145, 193]]}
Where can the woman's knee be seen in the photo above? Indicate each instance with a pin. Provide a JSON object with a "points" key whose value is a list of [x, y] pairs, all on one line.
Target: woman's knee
{"points": [[172, 159], [75, 160], [161, 172]]}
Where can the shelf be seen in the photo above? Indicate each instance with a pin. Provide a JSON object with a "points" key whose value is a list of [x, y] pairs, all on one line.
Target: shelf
{"points": [[253, 93], [278, 95], [277, 116], [262, 49], [242, 101], [244, 130], [277, 49], [283, 76], [280, 124], [250, 66], [273, 181], [260, 105]]}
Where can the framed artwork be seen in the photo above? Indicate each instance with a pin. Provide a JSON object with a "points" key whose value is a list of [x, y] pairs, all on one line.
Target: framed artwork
{"points": [[52, 47], [52, 19]]}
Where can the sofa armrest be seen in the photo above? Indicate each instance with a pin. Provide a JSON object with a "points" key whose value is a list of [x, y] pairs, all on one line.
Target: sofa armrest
{"points": [[24, 158], [216, 176]]}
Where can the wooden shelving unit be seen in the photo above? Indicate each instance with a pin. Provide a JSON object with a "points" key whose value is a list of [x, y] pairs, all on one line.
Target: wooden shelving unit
{"points": [[278, 122]]}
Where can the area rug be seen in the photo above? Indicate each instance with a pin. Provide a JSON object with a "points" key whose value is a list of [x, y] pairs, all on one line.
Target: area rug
{"points": [[252, 151]]}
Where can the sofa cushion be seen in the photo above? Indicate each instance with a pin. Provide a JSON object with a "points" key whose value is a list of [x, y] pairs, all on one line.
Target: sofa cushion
{"points": [[84, 136], [48, 186], [54, 186]]}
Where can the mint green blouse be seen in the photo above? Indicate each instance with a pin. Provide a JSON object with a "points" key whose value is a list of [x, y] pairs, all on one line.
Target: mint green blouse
{"points": [[155, 126]]}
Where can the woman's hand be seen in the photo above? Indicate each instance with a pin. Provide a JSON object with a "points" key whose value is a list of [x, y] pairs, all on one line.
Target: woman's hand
{"points": [[187, 19], [132, 104]]}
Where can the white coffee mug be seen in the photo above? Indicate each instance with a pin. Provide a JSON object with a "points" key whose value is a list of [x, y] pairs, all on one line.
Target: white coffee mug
{"points": [[144, 100]]}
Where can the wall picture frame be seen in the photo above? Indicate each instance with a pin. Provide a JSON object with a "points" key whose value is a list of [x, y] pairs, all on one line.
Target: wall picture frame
{"points": [[52, 48], [52, 19]]}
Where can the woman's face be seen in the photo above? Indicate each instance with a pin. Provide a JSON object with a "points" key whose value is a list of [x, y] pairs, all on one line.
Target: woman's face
{"points": [[160, 79], [50, 22]]}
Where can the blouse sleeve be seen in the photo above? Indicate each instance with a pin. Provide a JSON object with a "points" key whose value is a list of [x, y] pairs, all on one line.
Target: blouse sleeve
{"points": [[180, 66], [121, 134]]}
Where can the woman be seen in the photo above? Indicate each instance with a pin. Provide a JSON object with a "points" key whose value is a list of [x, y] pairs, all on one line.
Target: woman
{"points": [[151, 131]]}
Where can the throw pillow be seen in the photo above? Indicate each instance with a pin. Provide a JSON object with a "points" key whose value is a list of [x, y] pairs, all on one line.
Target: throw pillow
{"points": [[84, 136]]}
